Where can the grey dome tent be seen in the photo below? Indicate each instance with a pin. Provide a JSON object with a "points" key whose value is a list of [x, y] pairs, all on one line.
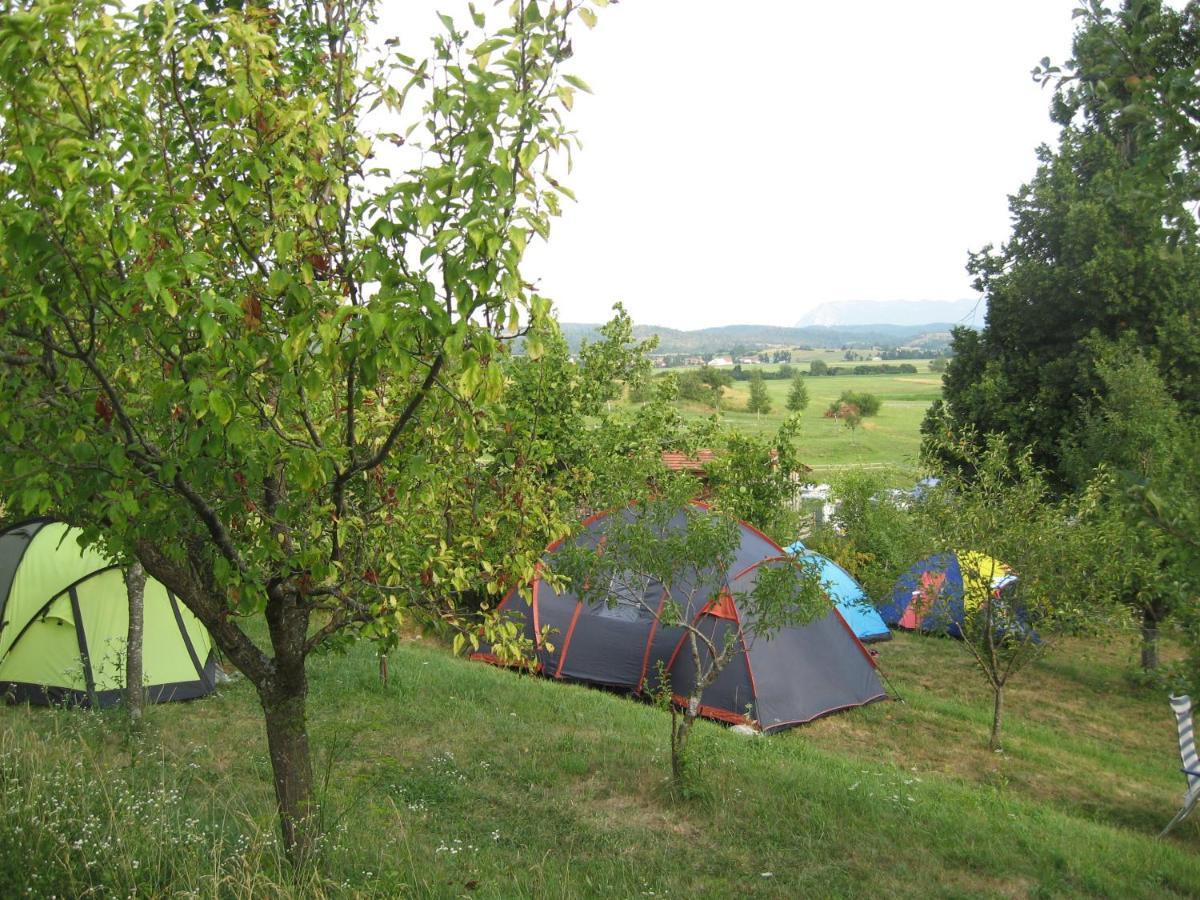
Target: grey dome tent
{"points": [[795, 676], [64, 619]]}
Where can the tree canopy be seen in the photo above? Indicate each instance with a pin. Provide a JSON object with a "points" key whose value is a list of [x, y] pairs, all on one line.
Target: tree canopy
{"points": [[238, 348], [1104, 241]]}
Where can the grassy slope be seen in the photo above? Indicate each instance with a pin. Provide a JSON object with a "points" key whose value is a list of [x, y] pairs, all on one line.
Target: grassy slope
{"points": [[548, 789]]}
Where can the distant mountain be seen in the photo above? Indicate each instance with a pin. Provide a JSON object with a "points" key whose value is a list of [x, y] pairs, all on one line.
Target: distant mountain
{"points": [[935, 335], [895, 312]]}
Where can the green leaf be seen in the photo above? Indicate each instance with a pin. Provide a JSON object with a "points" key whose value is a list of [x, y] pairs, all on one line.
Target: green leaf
{"points": [[220, 406], [285, 242], [578, 82]]}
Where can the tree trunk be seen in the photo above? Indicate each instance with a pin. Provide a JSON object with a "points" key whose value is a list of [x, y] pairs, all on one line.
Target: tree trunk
{"points": [[997, 716], [291, 765], [281, 682], [1149, 640], [383, 669], [135, 585], [284, 696], [680, 738]]}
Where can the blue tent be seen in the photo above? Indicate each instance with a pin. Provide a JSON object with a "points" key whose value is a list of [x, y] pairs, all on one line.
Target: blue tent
{"points": [[938, 595], [848, 594]]}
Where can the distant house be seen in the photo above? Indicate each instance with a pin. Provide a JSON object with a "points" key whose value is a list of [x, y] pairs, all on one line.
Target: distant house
{"points": [[681, 462], [720, 361], [748, 360]]}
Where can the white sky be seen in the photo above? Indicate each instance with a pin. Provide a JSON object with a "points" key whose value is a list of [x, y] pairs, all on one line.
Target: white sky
{"points": [[745, 161]]}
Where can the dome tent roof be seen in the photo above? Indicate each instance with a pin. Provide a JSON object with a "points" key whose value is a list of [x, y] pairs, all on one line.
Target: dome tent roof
{"points": [[791, 676], [64, 618]]}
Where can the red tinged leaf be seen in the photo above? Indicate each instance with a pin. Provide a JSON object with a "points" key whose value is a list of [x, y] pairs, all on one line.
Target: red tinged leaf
{"points": [[320, 264], [104, 411], [252, 312]]}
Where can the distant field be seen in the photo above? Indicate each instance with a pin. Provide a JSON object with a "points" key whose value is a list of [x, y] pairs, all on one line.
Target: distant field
{"points": [[889, 441], [802, 358]]}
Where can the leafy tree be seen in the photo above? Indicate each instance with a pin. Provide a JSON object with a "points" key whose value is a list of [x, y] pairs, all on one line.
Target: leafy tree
{"points": [[757, 478], [818, 367], [1168, 503], [850, 416], [852, 407], [235, 347], [548, 446], [692, 388], [871, 536], [1133, 434], [760, 400], [1005, 511], [715, 380], [1104, 240], [797, 399], [866, 404], [691, 563]]}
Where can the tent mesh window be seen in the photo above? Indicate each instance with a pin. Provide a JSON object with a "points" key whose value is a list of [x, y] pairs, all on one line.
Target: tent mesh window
{"points": [[627, 598]]}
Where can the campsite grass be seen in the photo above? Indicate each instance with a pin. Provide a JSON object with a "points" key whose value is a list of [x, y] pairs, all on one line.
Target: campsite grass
{"points": [[461, 779]]}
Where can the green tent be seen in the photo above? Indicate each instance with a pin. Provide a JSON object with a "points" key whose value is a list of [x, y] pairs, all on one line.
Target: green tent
{"points": [[64, 620]]}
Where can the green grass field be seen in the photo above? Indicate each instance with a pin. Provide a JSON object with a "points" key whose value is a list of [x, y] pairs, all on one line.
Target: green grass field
{"points": [[889, 442], [460, 779]]}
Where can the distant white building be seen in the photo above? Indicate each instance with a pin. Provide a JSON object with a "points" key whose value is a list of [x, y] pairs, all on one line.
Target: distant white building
{"points": [[720, 361]]}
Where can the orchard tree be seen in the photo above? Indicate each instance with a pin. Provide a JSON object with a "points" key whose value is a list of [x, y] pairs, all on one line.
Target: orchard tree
{"points": [[1005, 511], [756, 479], [548, 447], [1104, 239], [797, 399], [1133, 434], [691, 562], [234, 347], [760, 400]]}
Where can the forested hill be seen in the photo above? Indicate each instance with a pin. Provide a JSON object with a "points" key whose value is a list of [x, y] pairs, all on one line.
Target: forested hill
{"points": [[755, 337]]}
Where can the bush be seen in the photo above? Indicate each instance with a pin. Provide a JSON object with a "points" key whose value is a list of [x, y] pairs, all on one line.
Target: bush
{"points": [[865, 403], [871, 536]]}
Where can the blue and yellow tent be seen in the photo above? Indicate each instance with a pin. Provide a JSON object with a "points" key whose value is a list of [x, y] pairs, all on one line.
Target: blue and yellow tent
{"points": [[937, 594], [847, 593]]}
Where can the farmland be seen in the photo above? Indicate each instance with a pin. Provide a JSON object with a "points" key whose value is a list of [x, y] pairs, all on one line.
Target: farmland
{"points": [[889, 442]]}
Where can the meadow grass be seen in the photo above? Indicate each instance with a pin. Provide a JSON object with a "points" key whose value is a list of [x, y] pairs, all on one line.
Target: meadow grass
{"points": [[888, 442], [459, 779]]}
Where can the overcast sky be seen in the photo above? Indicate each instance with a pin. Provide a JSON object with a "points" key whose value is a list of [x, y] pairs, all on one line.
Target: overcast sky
{"points": [[746, 161]]}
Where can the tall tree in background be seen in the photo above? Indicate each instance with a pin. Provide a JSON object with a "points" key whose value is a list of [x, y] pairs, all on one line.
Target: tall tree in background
{"points": [[1104, 240], [232, 345], [760, 400], [797, 399]]}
